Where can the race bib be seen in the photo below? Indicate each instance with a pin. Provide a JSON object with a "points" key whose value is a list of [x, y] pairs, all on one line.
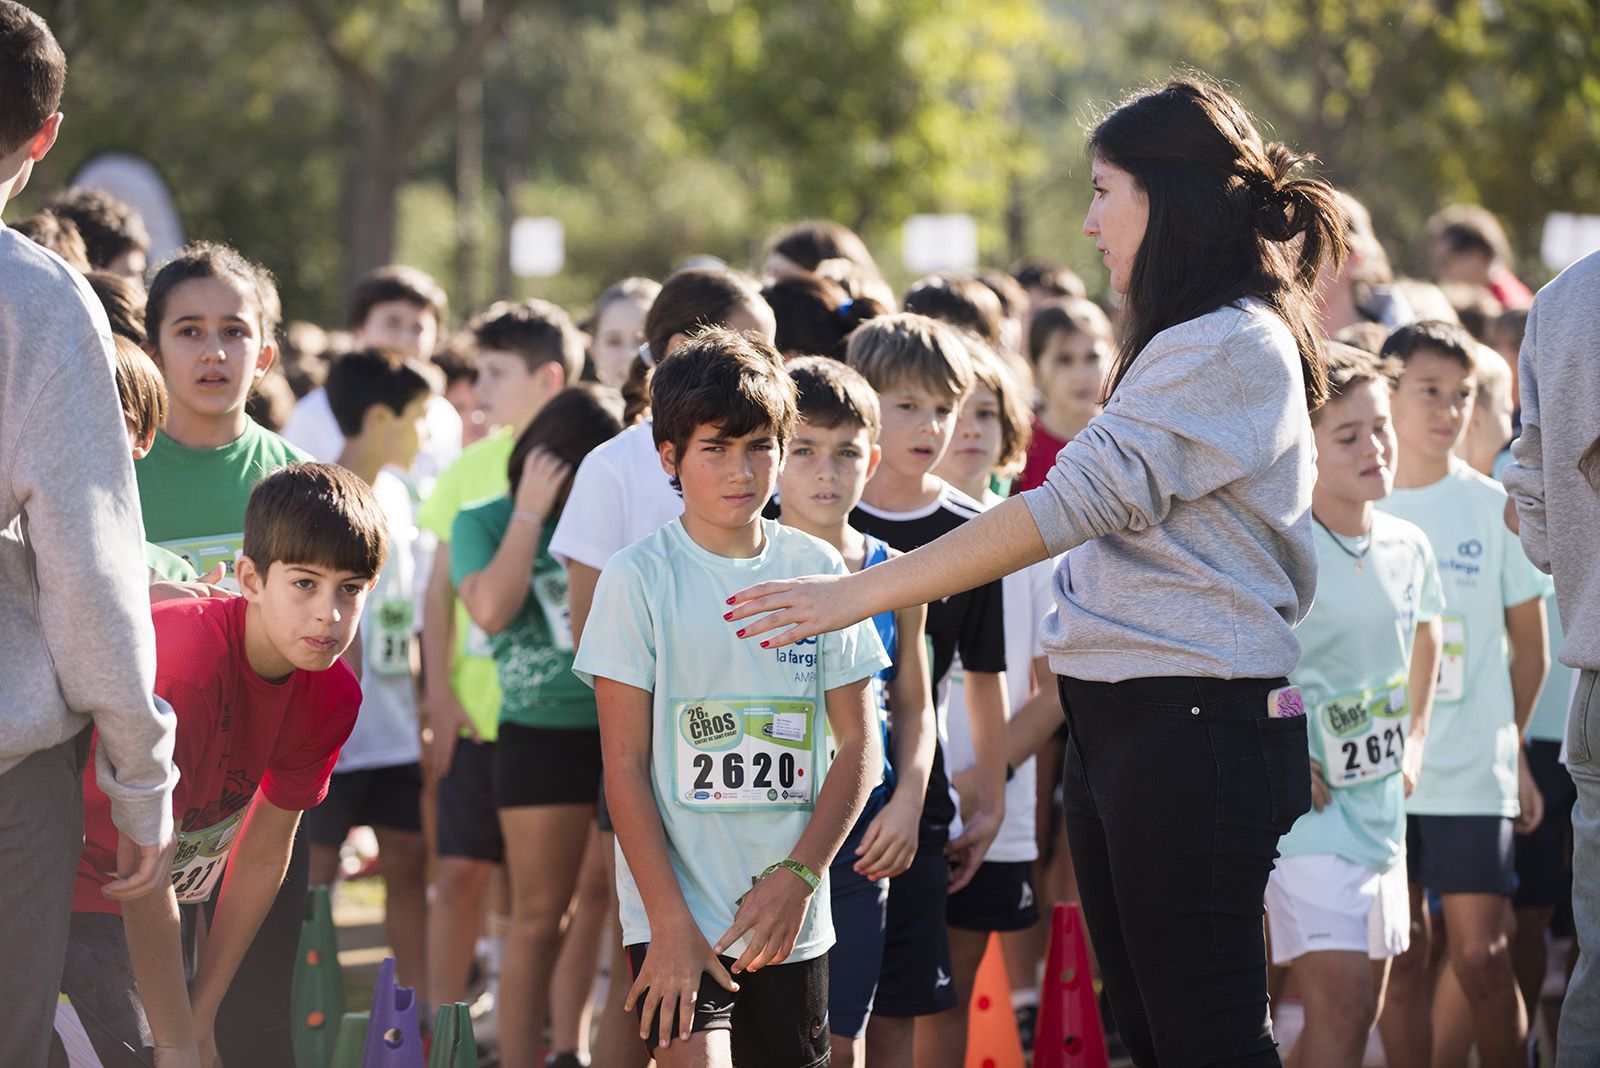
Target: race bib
{"points": [[742, 755], [202, 857], [1364, 733], [550, 590], [206, 553], [389, 651], [1452, 660]]}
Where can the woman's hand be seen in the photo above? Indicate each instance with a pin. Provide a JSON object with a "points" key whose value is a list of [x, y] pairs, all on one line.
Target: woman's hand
{"points": [[543, 474], [808, 606]]}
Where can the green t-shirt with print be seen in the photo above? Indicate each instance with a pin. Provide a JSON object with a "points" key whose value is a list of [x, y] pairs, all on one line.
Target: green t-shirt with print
{"points": [[533, 654], [478, 475], [193, 500], [167, 566]]}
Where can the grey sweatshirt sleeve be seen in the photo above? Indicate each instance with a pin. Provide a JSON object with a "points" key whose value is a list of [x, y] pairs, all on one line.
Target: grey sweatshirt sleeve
{"points": [[82, 513], [1524, 477], [1180, 426]]}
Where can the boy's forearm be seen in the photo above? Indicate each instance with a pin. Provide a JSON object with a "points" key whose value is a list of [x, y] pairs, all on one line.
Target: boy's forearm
{"points": [[249, 886], [155, 949], [1425, 650], [496, 594], [581, 582], [1037, 721], [912, 738], [438, 622], [839, 803], [986, 712], [1530, 657], [632, 803]]}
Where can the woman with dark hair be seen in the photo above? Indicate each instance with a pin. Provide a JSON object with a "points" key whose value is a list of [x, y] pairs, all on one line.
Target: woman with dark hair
{"points": [[1186, 503]]}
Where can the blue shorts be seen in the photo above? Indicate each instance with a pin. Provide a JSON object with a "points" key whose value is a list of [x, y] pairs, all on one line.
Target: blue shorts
{"points": [[860, 911], [1461, 854]]}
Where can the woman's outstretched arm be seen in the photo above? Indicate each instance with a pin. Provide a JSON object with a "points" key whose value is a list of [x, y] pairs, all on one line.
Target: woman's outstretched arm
{"points": [[1002, 540]]}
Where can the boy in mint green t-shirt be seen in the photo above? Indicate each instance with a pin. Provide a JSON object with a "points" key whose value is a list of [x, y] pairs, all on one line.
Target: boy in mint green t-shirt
{"points": [[1369, 654], [727, 812], [1476, 788]]}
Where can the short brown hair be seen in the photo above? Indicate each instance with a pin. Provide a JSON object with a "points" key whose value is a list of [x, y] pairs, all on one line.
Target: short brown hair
{"points": [[316, 514], [1368, 337], [359, 380], [830, 394], [1073, 315], [1447, 339], [909, 347], [1016, 418], [111, 227], [1350, 368], [721, 377], [123, 300], [58, 234], [140, 388], [573, 424], [1049, 276], [396, 282], [1470, 228], [958, 300], [536, 330], [33, 72]]}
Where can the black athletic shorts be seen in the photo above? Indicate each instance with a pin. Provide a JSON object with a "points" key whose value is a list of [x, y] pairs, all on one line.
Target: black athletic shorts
{"points": [[546, 766], [915, 980], [999, 898], [1461, 854], [1544, 866], [372, 797], [469, 822], [779, 1017]]}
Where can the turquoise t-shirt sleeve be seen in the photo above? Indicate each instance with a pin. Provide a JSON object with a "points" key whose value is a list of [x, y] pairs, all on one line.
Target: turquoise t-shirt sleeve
{"points": [[473, 543], [1431, 604], [1520, 581], [622, 644]]}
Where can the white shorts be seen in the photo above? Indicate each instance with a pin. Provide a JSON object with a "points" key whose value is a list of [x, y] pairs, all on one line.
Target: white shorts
{"points": [[1320, 902]]}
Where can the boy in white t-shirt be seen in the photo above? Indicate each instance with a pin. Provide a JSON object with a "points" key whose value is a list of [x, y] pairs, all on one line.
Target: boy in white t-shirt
{"points": [[1475, 788], [727, 813], [380, 401]]}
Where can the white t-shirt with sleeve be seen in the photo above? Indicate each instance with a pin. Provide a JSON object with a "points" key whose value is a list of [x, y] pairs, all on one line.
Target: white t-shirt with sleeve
{"points": [[619, 495]]}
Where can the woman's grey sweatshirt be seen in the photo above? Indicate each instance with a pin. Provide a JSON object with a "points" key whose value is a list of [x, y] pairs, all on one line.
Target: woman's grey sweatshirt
{"points": [[1559, 509], [1186, 505], [76, 642]]}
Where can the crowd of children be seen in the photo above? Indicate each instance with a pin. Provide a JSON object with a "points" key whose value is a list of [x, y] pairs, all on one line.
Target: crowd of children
{"points": [[511, 546]]}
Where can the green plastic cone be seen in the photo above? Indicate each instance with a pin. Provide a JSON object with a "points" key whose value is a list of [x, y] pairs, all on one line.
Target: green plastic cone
{"points": [[317, 1003], [352, 1037], [453, 1044]]}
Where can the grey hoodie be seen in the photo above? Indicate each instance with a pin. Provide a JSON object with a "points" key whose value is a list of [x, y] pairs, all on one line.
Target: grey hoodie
{"points": [[1560, 511], [1187, 507], [76, 643]]}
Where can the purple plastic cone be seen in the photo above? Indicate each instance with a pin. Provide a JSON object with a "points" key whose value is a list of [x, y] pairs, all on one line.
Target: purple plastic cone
{"points": [[393, 1038]]}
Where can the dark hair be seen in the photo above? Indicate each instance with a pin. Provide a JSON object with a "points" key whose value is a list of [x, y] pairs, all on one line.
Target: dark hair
{"points": [[907, 347], [1080, 316], [396, 282], [808, 243], [457, 363], [1049, 276], [1470, 228], [1229, 219], [110, 227], [958, 300], [536, 330], [1512, 322], [1447, 339], [815, 316], [358, 380], [1012, 296], [830, 394], [271, 400], [689, 300], [140, 388], [1475, 307], [211, 259], [1350, 368], [34, 73], [316, 514], [123, 300], [58, 234], [573, 424], [1368, 337], [637, 289], [724, 378], [989, 369]]}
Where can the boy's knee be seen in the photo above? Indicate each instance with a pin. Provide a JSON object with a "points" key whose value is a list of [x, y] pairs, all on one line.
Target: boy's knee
{"points": [[458, 877], [1479, 964]]}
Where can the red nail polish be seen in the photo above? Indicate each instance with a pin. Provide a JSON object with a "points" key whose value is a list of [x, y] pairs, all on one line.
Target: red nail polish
{"points": [[763, 645], [727, 615], [729, 600], [741, 634]]}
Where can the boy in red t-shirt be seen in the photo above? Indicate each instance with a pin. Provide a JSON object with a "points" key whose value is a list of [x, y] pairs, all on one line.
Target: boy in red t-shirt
{"points": [[263, 704]]}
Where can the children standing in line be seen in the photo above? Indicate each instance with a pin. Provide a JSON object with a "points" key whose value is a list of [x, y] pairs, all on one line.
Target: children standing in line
{"points": [[380, 402], [830, 459], [991, 439], [920, 370], [1475, 786], [1337, 896], [527, 352], [263, 704], [727, 811], [1069, 343], [546, 771]]}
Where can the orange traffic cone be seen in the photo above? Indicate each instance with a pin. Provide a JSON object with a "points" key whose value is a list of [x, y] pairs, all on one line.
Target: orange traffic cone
{"points": [[992, 1040], [1069, 1034]]}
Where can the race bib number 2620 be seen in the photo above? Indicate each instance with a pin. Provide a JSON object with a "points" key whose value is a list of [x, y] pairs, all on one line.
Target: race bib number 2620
{"points": [[736, 755]]}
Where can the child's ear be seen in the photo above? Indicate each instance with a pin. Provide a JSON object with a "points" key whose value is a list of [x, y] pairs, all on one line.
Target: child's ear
{"points": [[141, 448], [669, 458], [251, 581], [264, 358], [45, 139], [873, 459]]}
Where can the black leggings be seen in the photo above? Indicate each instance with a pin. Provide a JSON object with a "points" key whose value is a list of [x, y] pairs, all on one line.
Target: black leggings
{"points": [[1177, 790]]}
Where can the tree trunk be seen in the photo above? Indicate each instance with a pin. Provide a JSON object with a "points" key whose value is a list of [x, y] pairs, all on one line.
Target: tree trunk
{"points": [[373, 209]]}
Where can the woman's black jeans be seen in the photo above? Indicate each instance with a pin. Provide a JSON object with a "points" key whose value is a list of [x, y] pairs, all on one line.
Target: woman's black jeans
{"points": [[1177, 790]]}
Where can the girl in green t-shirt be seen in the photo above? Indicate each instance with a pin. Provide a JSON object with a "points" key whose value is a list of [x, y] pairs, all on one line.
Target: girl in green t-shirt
{"points": [[546, 773]]}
